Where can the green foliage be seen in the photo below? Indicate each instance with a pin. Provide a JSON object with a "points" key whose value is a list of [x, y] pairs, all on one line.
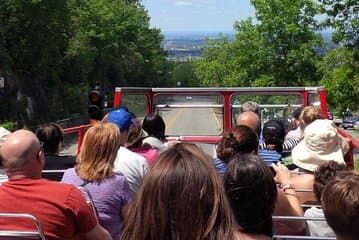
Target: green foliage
{"points": [[54, 51], [341, 79], [183, 73], [8, 125], [343, 17], [115, 36], [279, 50]]}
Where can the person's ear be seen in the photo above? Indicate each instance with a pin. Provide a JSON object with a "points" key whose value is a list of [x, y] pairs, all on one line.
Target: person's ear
{"points": [[41, 157]]}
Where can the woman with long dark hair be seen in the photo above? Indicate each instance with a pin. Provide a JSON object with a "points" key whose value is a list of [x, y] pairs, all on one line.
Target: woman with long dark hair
{"points": [[252, 193], [182, 197]]}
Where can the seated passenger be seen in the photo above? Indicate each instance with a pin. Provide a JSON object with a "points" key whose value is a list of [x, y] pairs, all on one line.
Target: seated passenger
{"points": [[273, 134], [52, 137], [341, 205], [252, 194], [182, 197], [109, 190], [155, 127], [296, 131], [322, 176], [251, 107], [132, 165], [239, 139], [321, 143], [252, 120], [308, 115], [134, 143], [61, 208]]}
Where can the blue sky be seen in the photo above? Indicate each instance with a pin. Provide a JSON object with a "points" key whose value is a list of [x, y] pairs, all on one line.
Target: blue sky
{"points": [[197, 15]]}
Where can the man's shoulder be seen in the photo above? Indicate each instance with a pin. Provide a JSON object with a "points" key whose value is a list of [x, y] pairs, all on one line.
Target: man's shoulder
{"points": [[124, 153]]}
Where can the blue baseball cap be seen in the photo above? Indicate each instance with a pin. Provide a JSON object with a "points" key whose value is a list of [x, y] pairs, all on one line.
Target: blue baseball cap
{"points": [[122, 118]]}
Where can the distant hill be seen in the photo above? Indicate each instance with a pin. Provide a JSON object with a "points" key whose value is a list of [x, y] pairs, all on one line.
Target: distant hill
{"points": [[183, 46]]}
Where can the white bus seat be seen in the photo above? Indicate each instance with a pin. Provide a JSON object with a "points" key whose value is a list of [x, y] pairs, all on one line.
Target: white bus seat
{"points": [[89, 199], [293, 218], [10, 234]]}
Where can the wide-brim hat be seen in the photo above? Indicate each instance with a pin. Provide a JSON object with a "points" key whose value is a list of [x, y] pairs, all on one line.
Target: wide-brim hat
{"points": [[321, 143]]}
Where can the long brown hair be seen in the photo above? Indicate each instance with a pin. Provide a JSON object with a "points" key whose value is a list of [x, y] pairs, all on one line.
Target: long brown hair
{"points": [[98, 152], [182, 197]]}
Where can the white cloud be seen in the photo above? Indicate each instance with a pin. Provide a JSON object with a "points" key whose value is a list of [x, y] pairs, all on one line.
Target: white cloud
{"points": [[183, 3]]}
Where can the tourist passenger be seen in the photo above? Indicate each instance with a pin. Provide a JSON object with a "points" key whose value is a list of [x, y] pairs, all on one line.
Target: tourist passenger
{"points": [[340, 205], [252, 193], [273, 134], [109, 190], [134, 143], [61, 208], [155, 127], [251, 120], [321, 143], [296, 131], [50, 134], [182, 197], [308, 115], [251, 107], [322, 176], [239, 139], [132, 165], [251, 189]]}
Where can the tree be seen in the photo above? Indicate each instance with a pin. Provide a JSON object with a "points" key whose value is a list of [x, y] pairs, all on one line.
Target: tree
{"points": [[33, 39], [55, 51], [343, 17], [116, 37], [340, 67], [278, 50], [341, 79], [183, 73]]}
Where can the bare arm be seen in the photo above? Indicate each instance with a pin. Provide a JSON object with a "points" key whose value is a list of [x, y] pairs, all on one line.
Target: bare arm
{"points": [[287, 203], [96, 233]]}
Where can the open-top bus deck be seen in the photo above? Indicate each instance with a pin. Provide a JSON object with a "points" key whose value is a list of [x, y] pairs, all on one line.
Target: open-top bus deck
{"points": [[202, 115]]}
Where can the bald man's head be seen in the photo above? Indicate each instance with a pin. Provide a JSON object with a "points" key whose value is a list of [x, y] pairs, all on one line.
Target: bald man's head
{"points": [[20, 148], [249, 119]]}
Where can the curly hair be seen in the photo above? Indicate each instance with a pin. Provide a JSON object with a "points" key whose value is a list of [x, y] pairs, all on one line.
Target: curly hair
{"points": [[324, 174], [239, 139]]}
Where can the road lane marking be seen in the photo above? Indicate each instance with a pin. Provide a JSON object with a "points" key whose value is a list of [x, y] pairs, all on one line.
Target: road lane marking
{"points": [[174, 119]]}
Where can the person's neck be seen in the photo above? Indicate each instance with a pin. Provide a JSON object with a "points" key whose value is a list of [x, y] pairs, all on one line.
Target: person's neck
{"points": [[21, 173]]}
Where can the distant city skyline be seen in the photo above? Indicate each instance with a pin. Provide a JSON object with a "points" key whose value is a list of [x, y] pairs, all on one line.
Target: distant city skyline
{"points": [[197, 15]]}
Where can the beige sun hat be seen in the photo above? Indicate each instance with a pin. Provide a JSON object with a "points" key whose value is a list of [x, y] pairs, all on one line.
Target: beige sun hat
{"points": [[321, 143]]}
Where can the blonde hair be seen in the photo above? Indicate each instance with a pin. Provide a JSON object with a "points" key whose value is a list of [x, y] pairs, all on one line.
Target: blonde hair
{"points": [[98, 152], [309, 115]]}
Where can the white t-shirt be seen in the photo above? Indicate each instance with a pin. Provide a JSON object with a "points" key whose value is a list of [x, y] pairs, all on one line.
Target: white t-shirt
{"points": [[132, 165], [317, 228], [3, 176]]}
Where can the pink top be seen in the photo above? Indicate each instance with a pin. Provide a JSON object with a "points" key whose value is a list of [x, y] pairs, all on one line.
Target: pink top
{"points": [[148, 153]]}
